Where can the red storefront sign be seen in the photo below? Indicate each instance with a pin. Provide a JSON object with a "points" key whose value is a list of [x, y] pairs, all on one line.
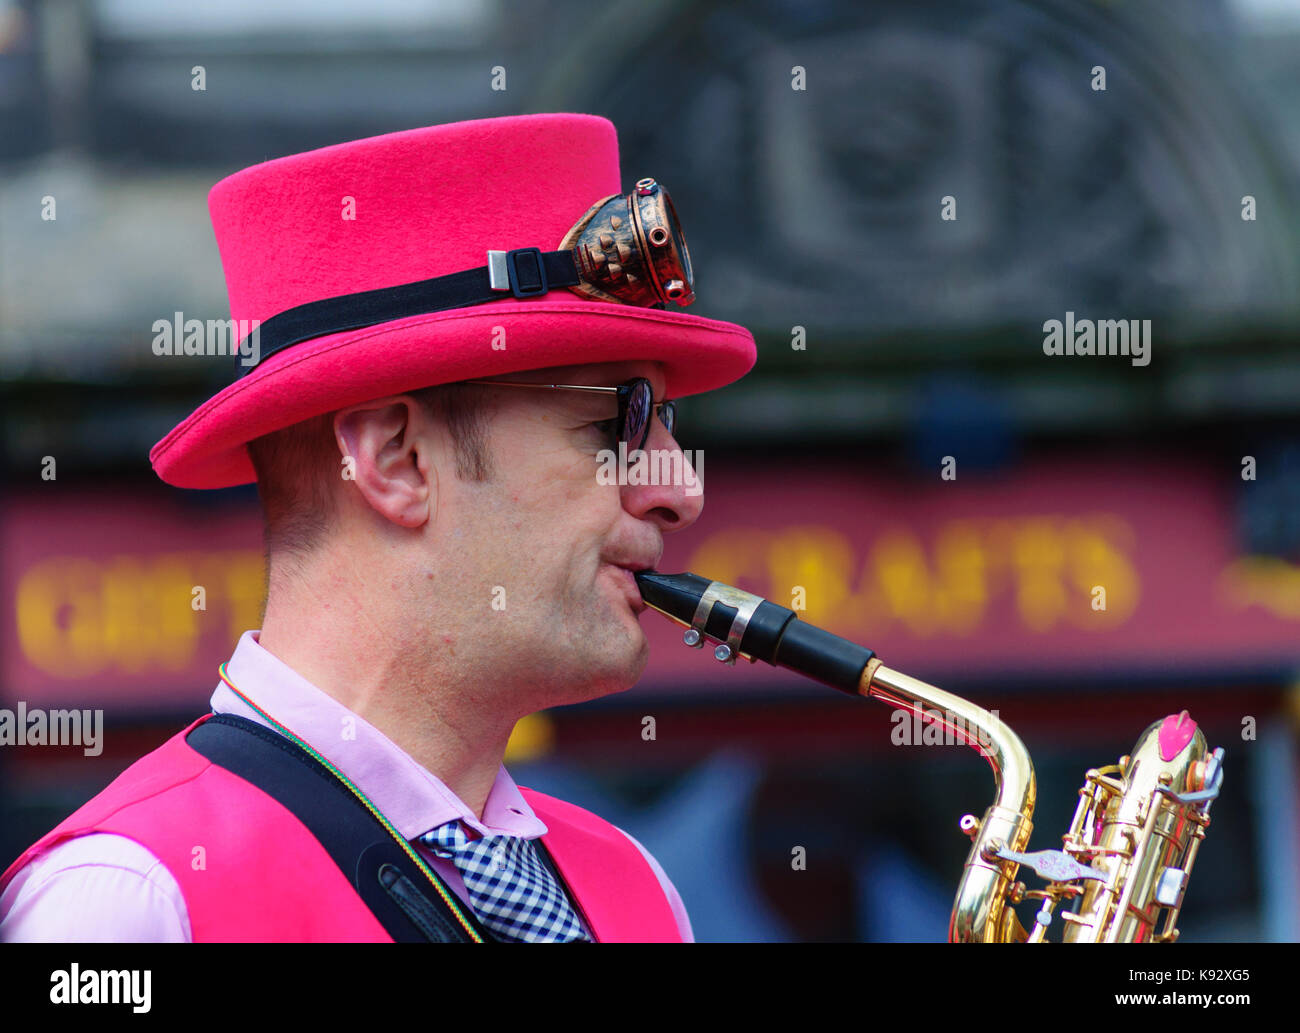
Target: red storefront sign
{"points": [[1109, 568]]}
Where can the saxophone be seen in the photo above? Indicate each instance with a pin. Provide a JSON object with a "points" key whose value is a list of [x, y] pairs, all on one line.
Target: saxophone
{"points": [[1136, 831]]}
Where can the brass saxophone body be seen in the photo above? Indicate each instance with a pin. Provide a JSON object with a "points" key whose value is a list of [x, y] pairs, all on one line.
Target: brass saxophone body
{"points": [[1136, 831]]}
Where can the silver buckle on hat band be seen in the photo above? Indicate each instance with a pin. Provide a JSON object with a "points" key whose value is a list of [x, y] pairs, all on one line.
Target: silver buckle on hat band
{"points": [[503, 272], [498, 271]]}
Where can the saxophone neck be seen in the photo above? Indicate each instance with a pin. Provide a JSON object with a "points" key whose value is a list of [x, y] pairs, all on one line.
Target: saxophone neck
{"points": [[981, 912], [1013, 771]]}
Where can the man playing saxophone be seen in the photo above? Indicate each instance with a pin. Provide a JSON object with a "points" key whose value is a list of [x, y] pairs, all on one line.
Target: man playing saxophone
{"points": [[424, 415]]}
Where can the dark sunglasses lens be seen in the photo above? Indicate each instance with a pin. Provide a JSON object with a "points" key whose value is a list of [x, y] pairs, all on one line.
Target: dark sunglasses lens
{"points": [[668, 416], [637, 422]]}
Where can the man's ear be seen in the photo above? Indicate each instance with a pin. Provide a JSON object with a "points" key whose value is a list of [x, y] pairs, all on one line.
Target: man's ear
{"points": [[385, 451]]}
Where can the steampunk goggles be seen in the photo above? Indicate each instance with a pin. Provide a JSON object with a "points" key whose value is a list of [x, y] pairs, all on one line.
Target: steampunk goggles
{"points": [[628, 249]]}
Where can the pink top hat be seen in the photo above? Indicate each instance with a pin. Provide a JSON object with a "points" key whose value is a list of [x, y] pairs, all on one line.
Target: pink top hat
{"points": [[426, 203]]}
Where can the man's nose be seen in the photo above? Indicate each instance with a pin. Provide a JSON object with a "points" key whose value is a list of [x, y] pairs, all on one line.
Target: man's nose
{"points": [[675, 502]]}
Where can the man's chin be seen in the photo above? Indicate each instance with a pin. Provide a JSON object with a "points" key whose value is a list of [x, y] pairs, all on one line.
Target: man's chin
{"points": [[608, 661], [621, 678], [610, 679]]}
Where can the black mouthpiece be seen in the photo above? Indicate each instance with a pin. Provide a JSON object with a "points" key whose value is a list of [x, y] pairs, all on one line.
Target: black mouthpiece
{"points": [[772, 633], [676, 595]]}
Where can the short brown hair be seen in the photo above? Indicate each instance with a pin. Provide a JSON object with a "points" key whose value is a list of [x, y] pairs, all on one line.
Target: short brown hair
{"points": [[298, 467]]}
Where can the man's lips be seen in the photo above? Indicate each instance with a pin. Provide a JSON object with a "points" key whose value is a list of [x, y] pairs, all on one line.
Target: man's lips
{"points": [[629, 581]]}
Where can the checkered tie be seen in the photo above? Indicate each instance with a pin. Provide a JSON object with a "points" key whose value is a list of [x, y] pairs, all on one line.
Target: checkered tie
{"points": [[510, 888]]}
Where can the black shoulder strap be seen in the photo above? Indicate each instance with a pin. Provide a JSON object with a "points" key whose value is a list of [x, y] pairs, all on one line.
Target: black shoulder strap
{"points": [[391, 885]]}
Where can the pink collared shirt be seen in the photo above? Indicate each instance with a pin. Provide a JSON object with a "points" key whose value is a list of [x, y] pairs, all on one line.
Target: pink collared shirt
{"points": [[107, 888]]}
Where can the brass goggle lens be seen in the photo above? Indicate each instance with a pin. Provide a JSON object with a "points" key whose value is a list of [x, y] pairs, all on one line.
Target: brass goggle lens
{"points": [[631, 249]]}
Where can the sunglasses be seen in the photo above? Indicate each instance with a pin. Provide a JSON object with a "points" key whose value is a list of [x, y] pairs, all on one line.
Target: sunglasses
{"points": [[635, 404]]}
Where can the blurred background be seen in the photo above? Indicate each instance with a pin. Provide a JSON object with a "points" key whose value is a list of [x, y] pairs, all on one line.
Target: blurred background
{"points": [[813, 150]]}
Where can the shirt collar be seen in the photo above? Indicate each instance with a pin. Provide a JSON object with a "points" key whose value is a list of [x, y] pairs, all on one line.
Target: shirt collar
{"points": [[407, 794]]}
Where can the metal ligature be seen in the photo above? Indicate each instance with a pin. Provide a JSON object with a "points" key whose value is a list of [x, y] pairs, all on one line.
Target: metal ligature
{"points": [[1136, 831]]}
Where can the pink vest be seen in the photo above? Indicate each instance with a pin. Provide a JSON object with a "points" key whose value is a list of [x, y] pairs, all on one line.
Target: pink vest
{"points": [[266, 878]]}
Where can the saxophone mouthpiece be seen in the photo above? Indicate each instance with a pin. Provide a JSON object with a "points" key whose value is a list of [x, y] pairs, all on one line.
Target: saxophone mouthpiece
{"points": [[674, 595], [752, 628]]}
